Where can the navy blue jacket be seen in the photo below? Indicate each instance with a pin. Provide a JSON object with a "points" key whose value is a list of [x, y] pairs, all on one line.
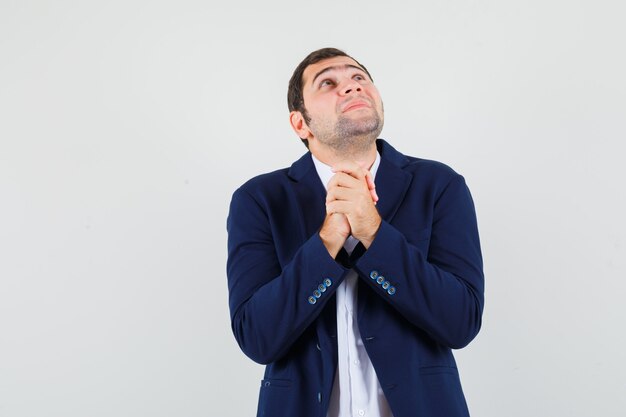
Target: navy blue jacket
{"points": [[282, 281]]}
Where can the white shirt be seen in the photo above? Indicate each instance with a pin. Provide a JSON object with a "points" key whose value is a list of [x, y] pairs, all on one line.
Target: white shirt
{"points": [[356, 391]]}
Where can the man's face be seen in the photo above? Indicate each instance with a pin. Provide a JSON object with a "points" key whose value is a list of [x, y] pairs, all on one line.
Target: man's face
{"points": [[344, 106]]}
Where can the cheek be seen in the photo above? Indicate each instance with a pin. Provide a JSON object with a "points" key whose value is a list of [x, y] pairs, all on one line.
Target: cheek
{"points": [[379, 104], [322, 108], [374, 94]]}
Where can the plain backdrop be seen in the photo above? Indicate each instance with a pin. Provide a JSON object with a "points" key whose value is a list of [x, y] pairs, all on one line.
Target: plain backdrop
{"points": [[125, 126]]}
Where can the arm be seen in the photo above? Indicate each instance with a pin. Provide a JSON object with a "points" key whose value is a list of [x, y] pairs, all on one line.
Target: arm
{"points": [[269, 302], [440, 292]]}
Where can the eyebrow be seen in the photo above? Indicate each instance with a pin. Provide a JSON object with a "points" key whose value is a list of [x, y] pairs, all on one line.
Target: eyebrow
{"points": [[334, 67]]}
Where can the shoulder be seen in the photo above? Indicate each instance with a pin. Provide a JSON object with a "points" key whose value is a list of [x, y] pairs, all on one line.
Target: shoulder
{"points": [[276, 183], [419, 168], [266, 179], [434, 175], [430, 167], [264, 185]]}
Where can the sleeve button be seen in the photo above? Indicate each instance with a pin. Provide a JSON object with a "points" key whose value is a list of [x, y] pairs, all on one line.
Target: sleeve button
{"points": [[374, 274], [391, 290], [312, 300]]}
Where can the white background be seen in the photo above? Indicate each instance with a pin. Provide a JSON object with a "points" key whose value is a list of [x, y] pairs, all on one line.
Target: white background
{"points": [[125, 126]]}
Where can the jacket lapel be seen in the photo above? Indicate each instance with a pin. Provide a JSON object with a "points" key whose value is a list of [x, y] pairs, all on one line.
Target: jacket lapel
{"points": [[391, 185], [391, 180], [310, 195]]}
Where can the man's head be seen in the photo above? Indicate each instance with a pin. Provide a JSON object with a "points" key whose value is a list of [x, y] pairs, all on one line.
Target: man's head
{"points": [[334, 103]]}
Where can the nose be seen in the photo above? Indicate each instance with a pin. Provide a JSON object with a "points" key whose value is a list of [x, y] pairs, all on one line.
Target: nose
{"points": [[350, 86]]}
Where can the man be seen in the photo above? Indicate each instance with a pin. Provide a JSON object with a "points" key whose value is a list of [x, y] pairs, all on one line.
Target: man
{"points": [[353, 273]]}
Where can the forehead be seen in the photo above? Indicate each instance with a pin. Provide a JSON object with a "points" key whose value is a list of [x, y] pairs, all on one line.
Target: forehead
{"points": [[336, 61]]}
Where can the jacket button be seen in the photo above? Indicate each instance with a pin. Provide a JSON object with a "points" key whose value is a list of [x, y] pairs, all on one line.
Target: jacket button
{"points": [[374, 274], [319, 397], [380, 279], [328, 282], [312, 300], [391, 290]]}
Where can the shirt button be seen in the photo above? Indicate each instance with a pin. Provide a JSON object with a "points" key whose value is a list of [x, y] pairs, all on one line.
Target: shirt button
{"points": [[361, 412], [356, 362]]}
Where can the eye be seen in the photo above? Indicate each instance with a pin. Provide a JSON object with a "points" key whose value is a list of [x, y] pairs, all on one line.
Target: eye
{"points": [[326, 82], [359, 77]]}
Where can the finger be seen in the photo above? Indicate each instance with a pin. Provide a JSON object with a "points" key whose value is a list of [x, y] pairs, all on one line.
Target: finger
{"points": [[341, 193], [351, 168], [342, 179], [336, 219], [355, 171], [338, 206], [372, 186]]}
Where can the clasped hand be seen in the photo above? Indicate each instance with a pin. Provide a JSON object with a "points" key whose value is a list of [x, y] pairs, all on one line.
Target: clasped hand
{"points": [[350, 208]]}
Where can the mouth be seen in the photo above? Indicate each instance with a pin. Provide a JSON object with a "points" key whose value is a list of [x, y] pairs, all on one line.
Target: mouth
{"points": [[355, 105]]}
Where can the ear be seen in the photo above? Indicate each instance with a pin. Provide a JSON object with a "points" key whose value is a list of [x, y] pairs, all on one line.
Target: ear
{"points": [[298, 124]]}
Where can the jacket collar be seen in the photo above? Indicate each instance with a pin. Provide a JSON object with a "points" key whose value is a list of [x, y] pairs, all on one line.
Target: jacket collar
{"points": [[303, 165], [391, 184]]}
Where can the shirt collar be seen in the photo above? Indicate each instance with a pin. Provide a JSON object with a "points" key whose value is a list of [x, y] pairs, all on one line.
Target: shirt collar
{"points": [[325, 172]]}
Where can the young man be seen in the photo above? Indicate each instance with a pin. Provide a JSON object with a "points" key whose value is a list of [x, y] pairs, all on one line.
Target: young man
{"points": [[353, 273]]}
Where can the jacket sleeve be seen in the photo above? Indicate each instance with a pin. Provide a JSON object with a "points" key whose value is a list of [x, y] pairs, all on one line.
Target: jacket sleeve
{"points": [[272, 304], [441, 291]]}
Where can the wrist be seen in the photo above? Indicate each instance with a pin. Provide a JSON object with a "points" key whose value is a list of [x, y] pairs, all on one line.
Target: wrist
{"points": [[333, 244], [369, 239]]}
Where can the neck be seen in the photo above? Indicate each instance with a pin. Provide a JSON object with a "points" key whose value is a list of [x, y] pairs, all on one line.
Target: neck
{"points": [[364, 157]]}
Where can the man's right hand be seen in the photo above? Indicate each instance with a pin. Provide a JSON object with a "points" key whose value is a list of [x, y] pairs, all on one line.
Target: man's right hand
{"points": [[334, 232]]}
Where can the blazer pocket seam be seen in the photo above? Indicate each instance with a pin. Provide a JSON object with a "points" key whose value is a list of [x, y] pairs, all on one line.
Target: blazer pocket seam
{"points": [[276, 383], [435, 370]]}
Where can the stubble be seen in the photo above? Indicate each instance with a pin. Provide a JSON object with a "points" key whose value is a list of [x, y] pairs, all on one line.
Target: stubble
{"points": [[349, 136]]}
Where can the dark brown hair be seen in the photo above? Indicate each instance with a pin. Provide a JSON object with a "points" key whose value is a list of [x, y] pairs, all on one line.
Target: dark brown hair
{"points": [[295, 98]]}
